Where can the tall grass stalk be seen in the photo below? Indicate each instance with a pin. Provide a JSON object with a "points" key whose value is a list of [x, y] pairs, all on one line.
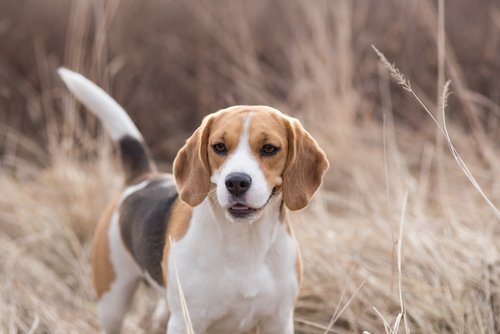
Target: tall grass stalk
{"points": [[406, 85]]}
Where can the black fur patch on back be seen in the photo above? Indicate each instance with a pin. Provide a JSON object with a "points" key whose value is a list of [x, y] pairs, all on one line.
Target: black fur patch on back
{"points": [[135, 158], [144, 217]]}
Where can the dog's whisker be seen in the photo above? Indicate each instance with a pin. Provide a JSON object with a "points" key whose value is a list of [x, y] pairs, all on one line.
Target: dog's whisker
{"points": [[215, 203]]}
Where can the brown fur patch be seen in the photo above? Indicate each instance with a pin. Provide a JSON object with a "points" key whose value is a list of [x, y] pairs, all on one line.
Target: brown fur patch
{"points": [[103, 273], [226, 129], [191, 169], [177, 229], [267, 128], [305, 166]]}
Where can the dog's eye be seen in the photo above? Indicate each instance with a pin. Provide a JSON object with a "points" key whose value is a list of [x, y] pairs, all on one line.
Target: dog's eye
{"points": [[268, 150], [219, 148]]}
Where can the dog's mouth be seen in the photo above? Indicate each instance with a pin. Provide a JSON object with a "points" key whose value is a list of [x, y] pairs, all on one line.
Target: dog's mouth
{"points": [[239, 210], [243, 211]]}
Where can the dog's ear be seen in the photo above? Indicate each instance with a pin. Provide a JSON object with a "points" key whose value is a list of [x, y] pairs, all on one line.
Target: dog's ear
{"points": [[191, 169], [306, 164]]}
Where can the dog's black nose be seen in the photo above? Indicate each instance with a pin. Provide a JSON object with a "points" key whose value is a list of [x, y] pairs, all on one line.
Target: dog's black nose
{"points": [[238, 183]]}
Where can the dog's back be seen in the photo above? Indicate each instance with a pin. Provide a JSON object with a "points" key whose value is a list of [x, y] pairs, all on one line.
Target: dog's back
{"points": [[144, 218]]}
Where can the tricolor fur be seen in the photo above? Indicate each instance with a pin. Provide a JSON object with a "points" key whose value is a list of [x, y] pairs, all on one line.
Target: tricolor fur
{"points": [[226, 212]]}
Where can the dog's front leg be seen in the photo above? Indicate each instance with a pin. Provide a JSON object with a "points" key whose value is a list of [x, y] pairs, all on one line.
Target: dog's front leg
{"points": [[281, 323]]}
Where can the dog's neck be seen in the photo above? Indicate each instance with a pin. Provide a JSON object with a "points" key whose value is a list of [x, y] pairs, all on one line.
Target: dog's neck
{"points": [[255, 238]]}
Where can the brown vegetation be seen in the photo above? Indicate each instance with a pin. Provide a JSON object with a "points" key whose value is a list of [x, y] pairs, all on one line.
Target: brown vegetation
{"points": [[169, 63]]}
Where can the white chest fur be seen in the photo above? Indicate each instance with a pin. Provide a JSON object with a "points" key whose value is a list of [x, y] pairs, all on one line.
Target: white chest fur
{"points": [[234, 275]]}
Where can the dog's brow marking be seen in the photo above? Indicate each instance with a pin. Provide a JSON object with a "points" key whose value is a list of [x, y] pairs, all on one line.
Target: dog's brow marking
{"points": [[245, 136]]}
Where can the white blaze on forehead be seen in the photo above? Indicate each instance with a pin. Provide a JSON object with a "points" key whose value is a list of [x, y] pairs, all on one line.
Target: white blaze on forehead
{"points": [[243, 161]]}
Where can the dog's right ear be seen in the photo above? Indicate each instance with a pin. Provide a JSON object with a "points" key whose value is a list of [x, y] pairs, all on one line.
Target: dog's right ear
{"points": [[191, 169], [306, 165]]}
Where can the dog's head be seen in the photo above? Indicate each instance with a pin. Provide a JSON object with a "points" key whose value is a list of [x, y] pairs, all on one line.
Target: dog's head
{"points": [[247, 155]]}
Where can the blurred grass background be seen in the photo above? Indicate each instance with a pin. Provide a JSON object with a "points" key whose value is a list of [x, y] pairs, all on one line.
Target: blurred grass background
{"points": [[171, 62]]}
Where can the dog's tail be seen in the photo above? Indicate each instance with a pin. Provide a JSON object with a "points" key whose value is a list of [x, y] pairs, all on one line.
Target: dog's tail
{"points": [[134, 152]]}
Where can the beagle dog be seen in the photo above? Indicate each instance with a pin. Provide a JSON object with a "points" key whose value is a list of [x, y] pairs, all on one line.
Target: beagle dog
{"points": [[225, 210]]}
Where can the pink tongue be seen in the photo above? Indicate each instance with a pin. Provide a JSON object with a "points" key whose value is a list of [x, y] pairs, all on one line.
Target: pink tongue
{"points": [[239, 207]]}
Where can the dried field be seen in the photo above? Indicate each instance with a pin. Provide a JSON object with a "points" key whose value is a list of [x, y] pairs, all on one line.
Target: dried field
{"points": [[393, 186]]}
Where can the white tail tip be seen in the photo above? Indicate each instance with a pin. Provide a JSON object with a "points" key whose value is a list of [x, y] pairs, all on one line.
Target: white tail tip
{"points": [[111, 114]]}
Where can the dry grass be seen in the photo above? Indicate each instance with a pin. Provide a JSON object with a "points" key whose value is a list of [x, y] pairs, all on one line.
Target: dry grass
{"points": [[396, 211]]}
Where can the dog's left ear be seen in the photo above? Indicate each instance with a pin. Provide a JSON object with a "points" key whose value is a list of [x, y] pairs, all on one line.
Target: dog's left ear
{"points": [[191, 169], [305, 166]]}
